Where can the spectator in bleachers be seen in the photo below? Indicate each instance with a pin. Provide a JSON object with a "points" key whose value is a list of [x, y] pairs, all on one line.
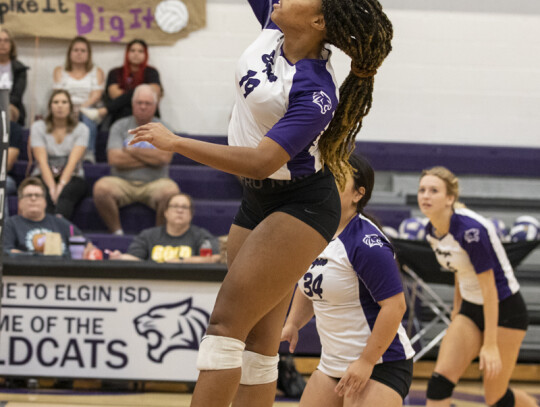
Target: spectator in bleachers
{"points": [[16, 72], [178, 241], [84, 81], [26, 231], [139, 173], [122, 81], [58, 145]]}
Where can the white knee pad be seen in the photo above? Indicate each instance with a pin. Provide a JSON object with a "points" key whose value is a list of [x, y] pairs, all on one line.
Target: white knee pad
{"points": [[259, 369], [219, 353]]}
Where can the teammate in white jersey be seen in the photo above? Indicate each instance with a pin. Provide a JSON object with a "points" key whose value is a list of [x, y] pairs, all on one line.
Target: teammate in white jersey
{"points": [[288, 138], [354, 290], [489, 317]]}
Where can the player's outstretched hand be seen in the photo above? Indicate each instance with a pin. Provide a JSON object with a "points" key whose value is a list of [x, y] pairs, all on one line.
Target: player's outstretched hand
{"points": [[156, 134]]}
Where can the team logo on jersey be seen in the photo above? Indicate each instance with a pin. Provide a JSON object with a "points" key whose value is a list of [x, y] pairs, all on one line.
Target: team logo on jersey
{"points": [[172, 326], [323, 101], [319, 261], [439, 252], [373, 240], [268, 60], [472, 235]]}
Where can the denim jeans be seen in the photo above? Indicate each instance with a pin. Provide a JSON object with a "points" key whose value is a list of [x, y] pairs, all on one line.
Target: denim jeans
{"points": [[92, 126]]}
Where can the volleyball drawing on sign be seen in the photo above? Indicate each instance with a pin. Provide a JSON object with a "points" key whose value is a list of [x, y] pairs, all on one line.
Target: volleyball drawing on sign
{"points": [[171, 16]]}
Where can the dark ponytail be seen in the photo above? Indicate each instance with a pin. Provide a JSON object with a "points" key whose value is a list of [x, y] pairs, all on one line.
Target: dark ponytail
{"points": [[363, 176]]}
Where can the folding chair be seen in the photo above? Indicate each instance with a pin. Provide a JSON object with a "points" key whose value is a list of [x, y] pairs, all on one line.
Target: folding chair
{"points": [[417, 290]]}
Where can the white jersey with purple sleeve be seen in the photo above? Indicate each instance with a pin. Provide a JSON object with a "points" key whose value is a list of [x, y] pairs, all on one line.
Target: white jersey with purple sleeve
{"points": [[472, 247], [290, 103], [355, 272]]}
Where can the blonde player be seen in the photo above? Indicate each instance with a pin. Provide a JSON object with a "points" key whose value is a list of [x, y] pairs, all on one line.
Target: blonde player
{"points": [[489, 317]]}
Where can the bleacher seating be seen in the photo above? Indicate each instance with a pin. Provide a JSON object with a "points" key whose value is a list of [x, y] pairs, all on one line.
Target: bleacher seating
{"points": [[216, 195], [397, 165], [479, 160]]}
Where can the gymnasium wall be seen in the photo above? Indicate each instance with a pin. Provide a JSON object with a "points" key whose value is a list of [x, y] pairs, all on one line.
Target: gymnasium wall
{"points": [[466, 75]]}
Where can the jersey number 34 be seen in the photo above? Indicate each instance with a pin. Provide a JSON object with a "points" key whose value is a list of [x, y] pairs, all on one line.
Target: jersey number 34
{"points": [[312, 285]]}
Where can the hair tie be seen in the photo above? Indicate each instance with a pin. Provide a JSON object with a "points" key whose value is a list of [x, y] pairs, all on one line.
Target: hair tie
{"points": [[362, 73]]}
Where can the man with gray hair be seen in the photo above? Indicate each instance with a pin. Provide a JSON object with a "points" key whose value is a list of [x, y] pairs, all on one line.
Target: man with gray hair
{"points": [[139, 173]]}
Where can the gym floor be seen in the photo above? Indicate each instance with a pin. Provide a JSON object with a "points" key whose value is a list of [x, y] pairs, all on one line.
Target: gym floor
{"points": [[467, 394]]}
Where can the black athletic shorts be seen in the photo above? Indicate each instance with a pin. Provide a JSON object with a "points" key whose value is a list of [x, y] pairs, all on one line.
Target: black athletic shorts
{"points": [[397, 375], [314, 199], [512, 313]]}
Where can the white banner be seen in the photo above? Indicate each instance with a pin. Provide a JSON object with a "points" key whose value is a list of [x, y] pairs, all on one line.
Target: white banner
{"points": [[116, 329]]}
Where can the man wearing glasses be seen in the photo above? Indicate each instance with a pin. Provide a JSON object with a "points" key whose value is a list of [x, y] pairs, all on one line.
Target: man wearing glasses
{"points": [[26, 232], [178, 241]]}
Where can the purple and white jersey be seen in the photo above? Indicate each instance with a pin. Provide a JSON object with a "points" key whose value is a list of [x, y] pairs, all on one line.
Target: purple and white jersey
{"points": [[346, 282], [470, 248], [291, 104]]}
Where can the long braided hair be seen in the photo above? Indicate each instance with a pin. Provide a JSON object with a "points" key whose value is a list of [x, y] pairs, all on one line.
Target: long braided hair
{"points": [[362, 30]]}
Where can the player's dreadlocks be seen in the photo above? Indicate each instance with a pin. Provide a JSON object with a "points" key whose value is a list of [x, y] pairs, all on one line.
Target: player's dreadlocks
{"points": [[362, 30]]}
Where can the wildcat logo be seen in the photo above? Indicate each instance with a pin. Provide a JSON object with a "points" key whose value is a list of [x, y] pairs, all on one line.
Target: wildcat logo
{"points": [[323, 101], [472, 235], [372, 240], [172, 326]]}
